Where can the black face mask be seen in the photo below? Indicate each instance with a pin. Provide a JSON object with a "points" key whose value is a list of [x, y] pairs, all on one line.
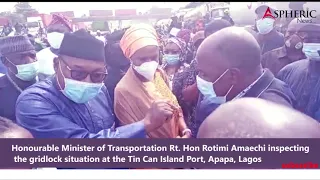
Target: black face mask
{"points": [[294, 43]]}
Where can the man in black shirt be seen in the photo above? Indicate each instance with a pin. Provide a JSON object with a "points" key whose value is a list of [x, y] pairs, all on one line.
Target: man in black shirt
{"points": [[268, 37]]}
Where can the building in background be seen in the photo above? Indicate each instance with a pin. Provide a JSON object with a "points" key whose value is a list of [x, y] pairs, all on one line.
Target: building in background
{"points": [[69, 14]]}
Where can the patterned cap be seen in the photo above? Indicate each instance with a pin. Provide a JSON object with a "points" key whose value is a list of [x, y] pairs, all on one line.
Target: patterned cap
{"points": [[60, 19], [12, 45]]}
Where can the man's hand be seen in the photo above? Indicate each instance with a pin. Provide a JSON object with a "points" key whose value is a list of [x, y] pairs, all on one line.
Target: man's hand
{"points": [[186, 136], [191, 93], [158, 114]]}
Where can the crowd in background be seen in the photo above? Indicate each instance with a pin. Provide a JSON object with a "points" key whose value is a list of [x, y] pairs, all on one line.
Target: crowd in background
{"points": [[215, 80]]}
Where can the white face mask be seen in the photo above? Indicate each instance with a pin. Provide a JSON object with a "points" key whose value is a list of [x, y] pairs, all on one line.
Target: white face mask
{"points": [[55, 39], [207, 90], [265, 25], [147, 69], [311, 51], [205, 87]]}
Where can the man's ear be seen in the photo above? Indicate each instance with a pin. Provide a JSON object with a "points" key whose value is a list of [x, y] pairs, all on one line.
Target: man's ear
{"points": [[235, 76]]}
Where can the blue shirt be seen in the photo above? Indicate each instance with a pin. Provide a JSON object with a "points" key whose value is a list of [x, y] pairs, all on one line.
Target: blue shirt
{"points": [[47, 113], [304, 79]]}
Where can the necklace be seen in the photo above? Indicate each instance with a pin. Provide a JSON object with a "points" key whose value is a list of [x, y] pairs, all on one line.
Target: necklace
{"points": [[14, 84]]}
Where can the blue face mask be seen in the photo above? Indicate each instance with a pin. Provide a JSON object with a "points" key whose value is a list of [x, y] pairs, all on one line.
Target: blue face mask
{"points": [[172, 59], [78, 91], [27, 72], [311, 51], [265, 25], [207, 90], [81, 92]]}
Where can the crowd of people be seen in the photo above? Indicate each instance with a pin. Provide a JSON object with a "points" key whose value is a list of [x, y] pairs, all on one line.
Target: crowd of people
{"points": [[222, 81]]}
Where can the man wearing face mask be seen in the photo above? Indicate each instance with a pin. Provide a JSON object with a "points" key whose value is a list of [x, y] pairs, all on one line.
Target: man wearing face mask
{"points": [[184, 83], [234, 72], [268, 37], [75, 103], [276, 59], [303, 76], [19, 57], [57, 26]]}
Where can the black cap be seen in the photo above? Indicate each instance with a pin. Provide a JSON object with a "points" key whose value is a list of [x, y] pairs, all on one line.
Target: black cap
{"points": [[81, 44], [263, 8]]}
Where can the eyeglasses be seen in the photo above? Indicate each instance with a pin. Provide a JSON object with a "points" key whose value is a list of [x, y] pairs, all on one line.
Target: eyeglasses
{"points": [[96, 77]]}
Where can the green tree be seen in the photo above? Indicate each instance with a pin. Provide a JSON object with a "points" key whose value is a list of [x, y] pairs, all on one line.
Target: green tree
{"points": [[24, 9]]}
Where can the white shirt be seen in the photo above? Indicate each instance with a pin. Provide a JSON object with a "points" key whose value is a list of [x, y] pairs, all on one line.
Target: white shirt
{"points": [[101, 38], [45, 58], [12, 33]]}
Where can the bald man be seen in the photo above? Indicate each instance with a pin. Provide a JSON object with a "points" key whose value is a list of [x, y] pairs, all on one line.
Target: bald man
{"points": [[229, 68], [257, 118]]}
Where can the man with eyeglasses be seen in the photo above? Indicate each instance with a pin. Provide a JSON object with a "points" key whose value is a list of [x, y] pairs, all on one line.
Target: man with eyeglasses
{"points": [[75, 103], [18, 56]]}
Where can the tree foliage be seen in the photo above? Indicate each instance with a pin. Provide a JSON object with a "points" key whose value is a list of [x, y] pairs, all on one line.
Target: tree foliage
{"points": [[25, 9], [21, 11]]}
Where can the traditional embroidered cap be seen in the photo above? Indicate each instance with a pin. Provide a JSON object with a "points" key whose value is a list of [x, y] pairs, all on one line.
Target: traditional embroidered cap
{"points": [[12, 45], [60, 19], [79, 44]]}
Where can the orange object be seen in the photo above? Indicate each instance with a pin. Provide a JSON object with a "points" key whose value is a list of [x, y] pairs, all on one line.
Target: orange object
{"points": [[137, 37], [133, 98]]}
